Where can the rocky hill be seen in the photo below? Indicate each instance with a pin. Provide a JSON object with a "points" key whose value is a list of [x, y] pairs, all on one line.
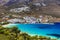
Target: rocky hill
{"points": [[52, 6], [2, 2]]}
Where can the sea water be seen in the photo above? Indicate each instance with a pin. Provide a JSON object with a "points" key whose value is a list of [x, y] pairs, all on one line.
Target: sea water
{"points": [[39, 29]]}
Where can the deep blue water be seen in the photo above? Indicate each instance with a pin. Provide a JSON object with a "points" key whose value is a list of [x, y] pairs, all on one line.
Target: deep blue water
{"points": [[40, 29]]}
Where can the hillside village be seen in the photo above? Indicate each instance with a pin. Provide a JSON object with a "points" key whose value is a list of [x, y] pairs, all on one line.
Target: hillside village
{"points": [[29, 19], [30, 12]]}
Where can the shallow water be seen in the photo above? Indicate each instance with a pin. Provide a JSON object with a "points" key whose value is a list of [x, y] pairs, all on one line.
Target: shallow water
{"points": [[39, 29]]}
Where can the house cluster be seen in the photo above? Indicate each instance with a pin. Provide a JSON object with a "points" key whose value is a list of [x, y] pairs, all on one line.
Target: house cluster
{"points": [[31, 19], [28, 19], [20, 9], [25, 19], [26, 8]]}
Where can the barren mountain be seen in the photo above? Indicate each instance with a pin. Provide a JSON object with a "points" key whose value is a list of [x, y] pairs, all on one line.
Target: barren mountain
{"points": [[52, 8], [10, 2]]}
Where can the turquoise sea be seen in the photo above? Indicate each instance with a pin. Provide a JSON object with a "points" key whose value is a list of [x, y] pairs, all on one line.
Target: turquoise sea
{"points": [[52, 29]]}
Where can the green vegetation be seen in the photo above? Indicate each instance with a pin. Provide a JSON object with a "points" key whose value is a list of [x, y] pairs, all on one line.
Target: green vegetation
{"points": [[15, 34], [3, 23]]}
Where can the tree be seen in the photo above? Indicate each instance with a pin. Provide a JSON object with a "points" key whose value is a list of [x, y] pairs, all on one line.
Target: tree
{"points": [[24, 36]]}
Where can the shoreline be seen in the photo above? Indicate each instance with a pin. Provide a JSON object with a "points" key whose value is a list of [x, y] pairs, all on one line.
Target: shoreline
{"points": [[11, 25]]}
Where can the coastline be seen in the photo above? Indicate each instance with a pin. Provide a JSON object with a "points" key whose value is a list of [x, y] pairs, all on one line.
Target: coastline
{"points": [[23, 28]]}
